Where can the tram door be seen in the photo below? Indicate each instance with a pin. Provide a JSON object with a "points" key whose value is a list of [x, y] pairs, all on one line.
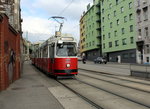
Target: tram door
{"points": [[52, 58]]}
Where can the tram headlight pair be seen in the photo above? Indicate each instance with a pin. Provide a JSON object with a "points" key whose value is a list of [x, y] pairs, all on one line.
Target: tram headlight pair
{"points": [[68, 65]]}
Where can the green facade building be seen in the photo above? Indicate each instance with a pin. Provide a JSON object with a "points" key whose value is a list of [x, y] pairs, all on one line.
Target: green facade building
{"points": [[90, 31], [118, 30]]}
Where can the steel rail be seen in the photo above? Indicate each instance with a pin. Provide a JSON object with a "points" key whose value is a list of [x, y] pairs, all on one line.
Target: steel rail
{"points": [[112, 76], [148, 106], [81, 96], [116, 83]]}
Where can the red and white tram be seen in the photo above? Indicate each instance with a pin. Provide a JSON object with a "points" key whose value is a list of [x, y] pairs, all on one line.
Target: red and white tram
{"points": [[57, 56]]}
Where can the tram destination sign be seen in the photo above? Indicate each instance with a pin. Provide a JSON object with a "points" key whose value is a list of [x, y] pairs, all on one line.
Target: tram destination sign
{"points": [[67, 38]]}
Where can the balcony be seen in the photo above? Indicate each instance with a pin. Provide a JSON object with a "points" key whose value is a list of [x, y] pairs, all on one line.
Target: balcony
{"points": [[98, 13], [140, 41], [140, 38], [98, 4], [99, 36], [98, 45], [99, 29], [99, 21]]}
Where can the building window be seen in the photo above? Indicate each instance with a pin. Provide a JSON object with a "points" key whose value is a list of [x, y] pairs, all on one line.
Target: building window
{"points": [[92, 33], [147, 59], [123, 30], [145, 12], [93, 25], [131, 17], [125, 18], [90, 27], [103, 28], [140, 34], [114, 13], [118, 22], [110, 5], [102, 2], [122, 9], [131, 28], [92, 18], [93, 43], [104, 45], [125, 56], [130, 5], [89, 43], [139, 16], [131, 40], [108, 16], [124, 41], [117, 2], [109, 35], [132, 55], [116, 43], [110, 44], [111, 25], [103, 19], [103, 37], [115, 33], [146, 31], [148, 49], [103, 11]]}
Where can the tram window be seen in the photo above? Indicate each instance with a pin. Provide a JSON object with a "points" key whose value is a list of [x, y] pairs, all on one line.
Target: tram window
{"points": [[45, 52], [66, 49]]}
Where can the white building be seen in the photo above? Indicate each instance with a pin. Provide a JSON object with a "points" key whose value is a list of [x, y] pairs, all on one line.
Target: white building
{"points": [[143, 30]]}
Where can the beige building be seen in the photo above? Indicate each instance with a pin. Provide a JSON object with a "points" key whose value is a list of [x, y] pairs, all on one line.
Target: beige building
{"points": [[12, 9]]}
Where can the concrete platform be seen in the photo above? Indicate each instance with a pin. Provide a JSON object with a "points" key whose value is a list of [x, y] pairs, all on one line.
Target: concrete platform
{"points": [[30, 92]]}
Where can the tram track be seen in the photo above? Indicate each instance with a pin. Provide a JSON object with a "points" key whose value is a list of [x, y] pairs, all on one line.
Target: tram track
{"points": [[81, 96], [116, 83], [115, 76], [110, 92], [98, 105]]}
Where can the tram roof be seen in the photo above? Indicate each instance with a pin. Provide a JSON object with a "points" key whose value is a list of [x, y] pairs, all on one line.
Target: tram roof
{"points": [[54, 39]]}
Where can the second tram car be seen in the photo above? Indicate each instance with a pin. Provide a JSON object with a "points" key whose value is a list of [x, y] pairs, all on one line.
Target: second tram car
{"points": [[57, 56]]}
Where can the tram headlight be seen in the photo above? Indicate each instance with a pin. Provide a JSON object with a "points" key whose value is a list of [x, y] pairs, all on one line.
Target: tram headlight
{"points": [[68, 65]]}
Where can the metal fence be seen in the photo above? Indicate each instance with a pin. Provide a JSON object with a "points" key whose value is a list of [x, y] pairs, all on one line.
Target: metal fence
{"points": [[140, 70]]}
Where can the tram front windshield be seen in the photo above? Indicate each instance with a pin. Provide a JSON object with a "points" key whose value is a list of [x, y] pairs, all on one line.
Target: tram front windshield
{"points": [[66, 49]]}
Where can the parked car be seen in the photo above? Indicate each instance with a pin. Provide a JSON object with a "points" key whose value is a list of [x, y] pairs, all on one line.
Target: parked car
{"points": [[100, 60]]}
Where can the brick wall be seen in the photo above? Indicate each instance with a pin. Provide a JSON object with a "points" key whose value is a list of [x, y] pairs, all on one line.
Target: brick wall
{"points": [[9, 53]]}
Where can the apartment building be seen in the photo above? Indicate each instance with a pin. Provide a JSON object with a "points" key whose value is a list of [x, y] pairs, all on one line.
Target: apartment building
{"points": [[12, 9], [118, 30], [143, 28], [90, 31]]}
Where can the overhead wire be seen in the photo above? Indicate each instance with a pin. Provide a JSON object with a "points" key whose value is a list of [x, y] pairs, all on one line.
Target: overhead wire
{"points": [[66, 7]]}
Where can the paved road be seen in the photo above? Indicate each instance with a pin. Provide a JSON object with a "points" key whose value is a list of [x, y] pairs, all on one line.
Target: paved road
{"points": [[107, 68], [114, 68]]}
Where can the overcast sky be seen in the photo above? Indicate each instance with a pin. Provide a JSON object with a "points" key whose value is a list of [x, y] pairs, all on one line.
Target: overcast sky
{"points": [[35, 14]]}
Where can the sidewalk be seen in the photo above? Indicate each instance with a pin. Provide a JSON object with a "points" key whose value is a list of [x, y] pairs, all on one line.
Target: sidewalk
{"points": [[30, 92]]}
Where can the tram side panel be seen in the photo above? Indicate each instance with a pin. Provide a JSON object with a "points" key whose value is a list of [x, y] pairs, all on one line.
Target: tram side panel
{"points": [[45, 65]]}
